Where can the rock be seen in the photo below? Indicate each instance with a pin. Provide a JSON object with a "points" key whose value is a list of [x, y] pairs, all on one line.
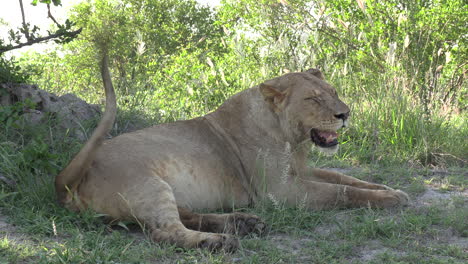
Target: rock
{"points": [[70, 110], [32, 116]]}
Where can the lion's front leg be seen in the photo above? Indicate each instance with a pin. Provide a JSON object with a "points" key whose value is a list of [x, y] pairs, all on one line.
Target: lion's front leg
{"points": [[339, 178], [321, 195]]}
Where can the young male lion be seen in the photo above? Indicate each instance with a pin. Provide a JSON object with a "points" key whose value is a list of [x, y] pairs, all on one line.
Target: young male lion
{"points": [[254, 145]]}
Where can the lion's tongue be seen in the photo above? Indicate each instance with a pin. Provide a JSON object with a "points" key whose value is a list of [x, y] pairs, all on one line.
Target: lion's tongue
{"points": [[328, 136]]}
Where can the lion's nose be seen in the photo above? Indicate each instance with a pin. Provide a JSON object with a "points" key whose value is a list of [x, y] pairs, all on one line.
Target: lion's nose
{"points": [[342, 116]]}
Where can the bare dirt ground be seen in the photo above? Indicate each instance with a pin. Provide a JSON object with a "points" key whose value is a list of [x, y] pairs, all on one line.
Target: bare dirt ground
{"points": [[372, 248]]}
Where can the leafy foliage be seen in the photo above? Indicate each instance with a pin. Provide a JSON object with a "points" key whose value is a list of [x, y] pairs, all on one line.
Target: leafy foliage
{"points": [[400, 65], [29, 34], [62, 34], [11, 72]]}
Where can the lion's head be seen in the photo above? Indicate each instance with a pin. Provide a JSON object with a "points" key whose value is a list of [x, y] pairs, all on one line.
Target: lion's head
{"points": [[308, 108]]}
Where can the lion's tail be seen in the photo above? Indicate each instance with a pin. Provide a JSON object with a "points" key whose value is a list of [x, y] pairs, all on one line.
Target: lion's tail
{"points": [[73, 173]]}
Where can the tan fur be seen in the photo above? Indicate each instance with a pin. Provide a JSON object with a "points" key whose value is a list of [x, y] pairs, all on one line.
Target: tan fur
{"points": [[252, 147]]}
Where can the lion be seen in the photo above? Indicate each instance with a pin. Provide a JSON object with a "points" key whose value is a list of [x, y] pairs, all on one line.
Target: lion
{"points": [[254, 146]]}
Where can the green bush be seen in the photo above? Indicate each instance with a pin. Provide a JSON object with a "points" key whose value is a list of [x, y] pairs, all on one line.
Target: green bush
{"points": [[11, 72]]}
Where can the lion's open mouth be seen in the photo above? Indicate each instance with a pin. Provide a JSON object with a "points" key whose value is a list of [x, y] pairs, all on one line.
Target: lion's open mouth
{"points": [[324, 139]]}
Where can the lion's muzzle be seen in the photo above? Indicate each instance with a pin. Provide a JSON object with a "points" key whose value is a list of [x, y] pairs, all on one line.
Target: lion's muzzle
{"points": [[324, 139]]}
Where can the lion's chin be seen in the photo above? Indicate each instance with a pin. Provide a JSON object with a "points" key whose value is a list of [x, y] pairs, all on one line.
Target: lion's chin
{"points": [[330, 151]]}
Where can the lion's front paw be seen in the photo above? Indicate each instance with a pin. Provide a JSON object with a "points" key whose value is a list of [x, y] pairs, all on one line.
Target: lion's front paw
{"points": [[243, 224], [403, 197], [394, 198], [216, 242]]}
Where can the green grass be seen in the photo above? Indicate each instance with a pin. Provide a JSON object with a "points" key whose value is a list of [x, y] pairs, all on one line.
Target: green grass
{"points": [[389, 125], [81, 239]]}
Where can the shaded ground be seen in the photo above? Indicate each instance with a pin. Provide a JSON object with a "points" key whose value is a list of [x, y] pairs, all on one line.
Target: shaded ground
{"points": [[344, 236]]}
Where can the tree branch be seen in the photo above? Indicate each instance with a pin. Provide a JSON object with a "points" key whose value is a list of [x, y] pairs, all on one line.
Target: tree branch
{"points": [[41, 39], [49, 14], [26, 30]]}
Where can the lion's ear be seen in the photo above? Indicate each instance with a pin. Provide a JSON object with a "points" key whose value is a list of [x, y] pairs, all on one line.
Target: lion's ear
{"points": [[273, 96], [317, 73]]}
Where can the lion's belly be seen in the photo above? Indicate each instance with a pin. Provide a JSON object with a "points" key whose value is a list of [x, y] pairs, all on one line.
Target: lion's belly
{"points": [[200, 176], [205, 185], [196, 184]]}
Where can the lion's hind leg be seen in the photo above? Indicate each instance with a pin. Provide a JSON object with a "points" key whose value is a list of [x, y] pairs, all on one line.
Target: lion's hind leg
{"points": [[232, 223], [154, 206]]}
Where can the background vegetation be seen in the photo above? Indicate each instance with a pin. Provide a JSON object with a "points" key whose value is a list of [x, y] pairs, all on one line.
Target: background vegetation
{"points": [[400, 65]]}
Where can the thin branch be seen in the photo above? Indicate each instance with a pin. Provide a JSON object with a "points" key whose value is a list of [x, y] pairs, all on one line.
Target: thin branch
{"points": [[26, 31], [49, 15], [41, 39]]}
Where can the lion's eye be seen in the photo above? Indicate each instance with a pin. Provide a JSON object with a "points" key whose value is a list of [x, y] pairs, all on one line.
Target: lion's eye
{"points": [[313, 98]]}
